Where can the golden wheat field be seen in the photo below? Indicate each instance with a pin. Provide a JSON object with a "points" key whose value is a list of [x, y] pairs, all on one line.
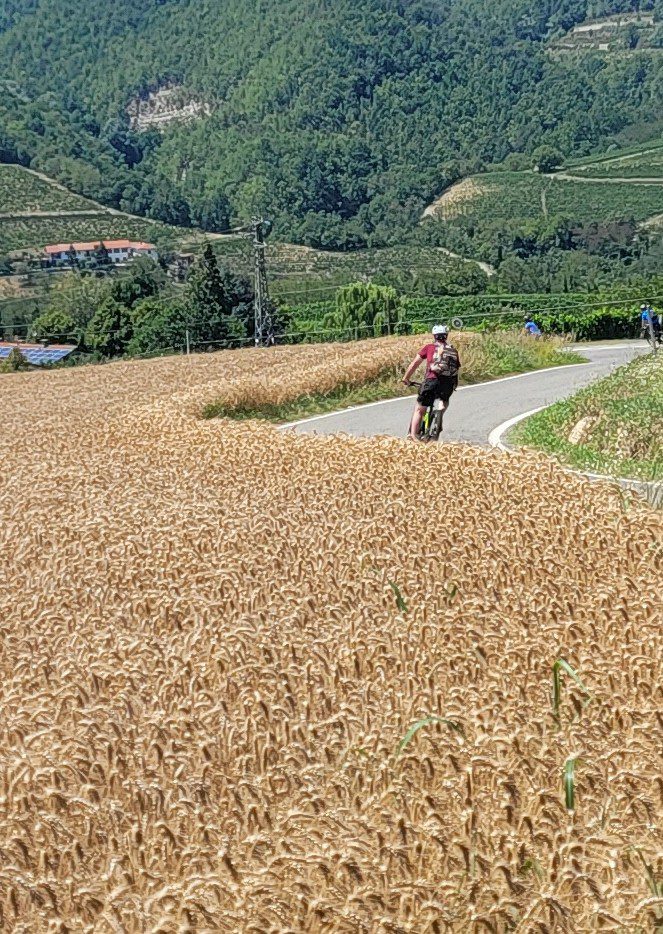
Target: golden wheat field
{"points": [[214, 638]]}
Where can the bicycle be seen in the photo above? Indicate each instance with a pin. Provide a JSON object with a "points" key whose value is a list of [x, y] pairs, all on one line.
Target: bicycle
{"points": [[657, 333], [431, 424]]}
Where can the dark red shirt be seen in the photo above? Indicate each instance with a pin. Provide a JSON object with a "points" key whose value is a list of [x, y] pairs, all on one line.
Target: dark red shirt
{"points": [[428, 353]]}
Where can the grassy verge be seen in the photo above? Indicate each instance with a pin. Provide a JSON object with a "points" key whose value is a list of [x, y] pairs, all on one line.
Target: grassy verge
{"points": [[488, 357], [613, 427]]}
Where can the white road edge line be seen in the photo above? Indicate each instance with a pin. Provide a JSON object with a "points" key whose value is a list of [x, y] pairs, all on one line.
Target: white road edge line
{"points": [[495, 437], [495, 441], [489, 382]]}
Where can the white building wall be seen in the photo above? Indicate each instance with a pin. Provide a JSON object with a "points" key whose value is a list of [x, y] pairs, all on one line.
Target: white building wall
{"points": [[116, 255]]}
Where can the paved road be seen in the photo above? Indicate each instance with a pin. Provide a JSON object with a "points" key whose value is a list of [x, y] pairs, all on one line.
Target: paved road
{"points": [[476, 410]]}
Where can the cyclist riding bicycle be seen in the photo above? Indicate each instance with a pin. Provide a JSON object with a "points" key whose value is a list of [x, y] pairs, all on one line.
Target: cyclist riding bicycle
{"points": [[442, 366], [531, 328], [648, 314]]}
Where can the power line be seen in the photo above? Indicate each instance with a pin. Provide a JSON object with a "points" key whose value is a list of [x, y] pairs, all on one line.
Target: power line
{"points": [[293, 335], [469, 314]]}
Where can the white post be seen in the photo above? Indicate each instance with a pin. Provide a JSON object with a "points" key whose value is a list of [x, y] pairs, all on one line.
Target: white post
{"points": [[188, 344]]}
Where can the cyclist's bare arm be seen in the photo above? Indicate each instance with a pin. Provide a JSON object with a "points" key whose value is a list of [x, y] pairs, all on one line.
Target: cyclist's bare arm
{"points": [[416, 363]]}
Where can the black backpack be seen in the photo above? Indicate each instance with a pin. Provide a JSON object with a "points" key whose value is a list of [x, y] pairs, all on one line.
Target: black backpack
{"points": [[446, 361]]}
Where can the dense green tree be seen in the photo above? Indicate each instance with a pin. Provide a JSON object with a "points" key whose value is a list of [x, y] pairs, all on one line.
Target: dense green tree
{"points": [[364, 309], [341, 121], [158, 324], [110, 329], [239, 298], [55, 325], [547, 159], [210, 302], [212, 212], [168, 205], [142, 279], [77, 296]]}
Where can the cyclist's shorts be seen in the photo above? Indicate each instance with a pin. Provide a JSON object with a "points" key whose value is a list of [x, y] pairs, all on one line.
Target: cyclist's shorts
{"points": [[440, 388]]}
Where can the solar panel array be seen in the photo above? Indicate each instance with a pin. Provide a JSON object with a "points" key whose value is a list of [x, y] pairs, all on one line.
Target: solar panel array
{"points": [[37, 355]]}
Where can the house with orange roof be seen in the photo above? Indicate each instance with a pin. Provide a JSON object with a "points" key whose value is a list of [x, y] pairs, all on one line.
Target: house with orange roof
{"points": [[119, 251]]}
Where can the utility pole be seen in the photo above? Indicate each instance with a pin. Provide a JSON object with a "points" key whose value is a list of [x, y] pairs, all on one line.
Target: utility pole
{"points": [[263, 326]]}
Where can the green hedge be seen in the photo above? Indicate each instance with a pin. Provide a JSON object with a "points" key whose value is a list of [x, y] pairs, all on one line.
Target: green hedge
{"points": [[588, 317], [555, 314]]}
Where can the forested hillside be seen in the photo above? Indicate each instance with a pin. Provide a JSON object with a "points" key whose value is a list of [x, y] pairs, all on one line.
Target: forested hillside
{"points": [[341, 119]]}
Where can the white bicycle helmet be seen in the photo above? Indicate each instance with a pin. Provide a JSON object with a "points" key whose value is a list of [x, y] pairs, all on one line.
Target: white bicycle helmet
{"points": [[440, 329]]}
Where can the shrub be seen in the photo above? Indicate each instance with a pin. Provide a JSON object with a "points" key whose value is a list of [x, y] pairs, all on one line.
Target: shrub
{"points": [[56, 325], [14, 362]]}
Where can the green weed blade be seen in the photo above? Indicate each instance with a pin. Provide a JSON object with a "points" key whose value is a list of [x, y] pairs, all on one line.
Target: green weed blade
{"points": [[654, 886], [533, 865], [414, 729], [561, 665], [570, 782], [400, 602], [557, 690]]}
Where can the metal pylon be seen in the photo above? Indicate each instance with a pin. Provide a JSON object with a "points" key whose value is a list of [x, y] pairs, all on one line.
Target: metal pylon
{"points": [[263, 325]]}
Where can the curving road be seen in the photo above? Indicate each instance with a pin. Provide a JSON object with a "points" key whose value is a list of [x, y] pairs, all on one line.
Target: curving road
{"points": [[476, 411]]}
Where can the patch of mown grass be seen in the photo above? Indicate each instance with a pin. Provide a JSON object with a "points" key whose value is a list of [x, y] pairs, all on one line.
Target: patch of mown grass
{"points": [[614, 426]]}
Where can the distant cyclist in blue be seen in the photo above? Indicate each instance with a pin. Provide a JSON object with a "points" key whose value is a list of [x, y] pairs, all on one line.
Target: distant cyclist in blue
{"points": [[531, 327], [647, 314]]}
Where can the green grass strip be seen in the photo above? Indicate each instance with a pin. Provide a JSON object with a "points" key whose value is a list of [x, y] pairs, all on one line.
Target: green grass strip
{"points": [[613, 427], [569, 777]]}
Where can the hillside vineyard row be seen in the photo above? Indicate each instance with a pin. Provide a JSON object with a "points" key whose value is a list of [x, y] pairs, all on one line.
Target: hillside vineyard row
{"points": [[340, 121], [205, 675]]}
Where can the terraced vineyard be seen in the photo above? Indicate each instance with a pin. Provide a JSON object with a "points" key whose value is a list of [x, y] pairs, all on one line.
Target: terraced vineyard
{"points": [[22, 233], [301, 275], [525, 195], [22, 191], [35, 211], [647, 164], [291, 267]]}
